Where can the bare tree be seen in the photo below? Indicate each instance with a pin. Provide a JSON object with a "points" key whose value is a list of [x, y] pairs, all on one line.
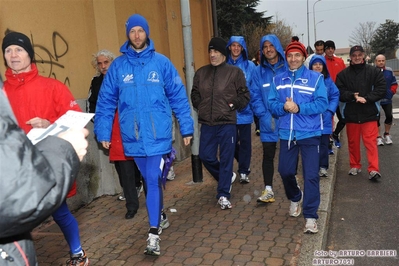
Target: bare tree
{"points": [[282, 31], [253, 34], [362, 35]]}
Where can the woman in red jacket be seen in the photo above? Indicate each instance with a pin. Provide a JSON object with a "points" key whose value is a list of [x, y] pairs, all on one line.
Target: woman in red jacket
{"points": [[37, 102]]}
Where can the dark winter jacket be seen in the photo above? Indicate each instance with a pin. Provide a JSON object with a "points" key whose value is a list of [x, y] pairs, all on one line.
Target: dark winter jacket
{"points": [[215, 88], [34, 181], [95, 86], [369, 82]]}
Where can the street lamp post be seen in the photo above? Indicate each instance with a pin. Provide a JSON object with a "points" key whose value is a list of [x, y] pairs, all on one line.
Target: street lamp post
{"points": [[307, 16], [314, 20], [315, 38]]}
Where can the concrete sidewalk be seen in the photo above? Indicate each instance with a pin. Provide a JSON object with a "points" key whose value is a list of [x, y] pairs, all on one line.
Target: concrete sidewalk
{"points": [[200, 232]]}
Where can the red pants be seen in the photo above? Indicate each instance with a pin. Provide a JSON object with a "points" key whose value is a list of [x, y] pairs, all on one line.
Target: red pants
{"points": [[369, 132]]}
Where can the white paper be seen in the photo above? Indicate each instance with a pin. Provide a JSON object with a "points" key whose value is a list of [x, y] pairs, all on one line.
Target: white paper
{"points": [[71, 119]]}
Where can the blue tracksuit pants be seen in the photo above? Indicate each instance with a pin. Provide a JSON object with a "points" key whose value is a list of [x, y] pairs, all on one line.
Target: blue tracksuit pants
{"points": [[151, 170], [324, 151], [69, 227], [222, 137], [288, 160]]}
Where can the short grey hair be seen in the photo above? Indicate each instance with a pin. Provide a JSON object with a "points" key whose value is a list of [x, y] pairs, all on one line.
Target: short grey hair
{"points": [[104, 52]]}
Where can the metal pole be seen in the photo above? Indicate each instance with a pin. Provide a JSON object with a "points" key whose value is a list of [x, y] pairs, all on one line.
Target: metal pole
{"points": [[315, 31], [307, 14], [189, 73], [215, 19], [314, 20]]}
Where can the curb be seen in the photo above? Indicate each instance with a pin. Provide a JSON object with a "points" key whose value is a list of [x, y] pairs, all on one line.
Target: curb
{"points": [[313, 242]]}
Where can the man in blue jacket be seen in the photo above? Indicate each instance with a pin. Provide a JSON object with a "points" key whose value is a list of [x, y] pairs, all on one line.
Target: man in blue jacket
{"points": [[299, 97], [272, 63], [145, 87], [238, 57]]}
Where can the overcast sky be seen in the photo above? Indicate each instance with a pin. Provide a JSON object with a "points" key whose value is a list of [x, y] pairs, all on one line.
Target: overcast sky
{"points": [[340, 18]]}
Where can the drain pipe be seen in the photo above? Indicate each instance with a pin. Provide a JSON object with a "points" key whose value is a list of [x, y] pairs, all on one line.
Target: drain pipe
{"points": [[196, 164]]}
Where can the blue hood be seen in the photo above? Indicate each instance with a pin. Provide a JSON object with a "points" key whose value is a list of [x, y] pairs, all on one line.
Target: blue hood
{"points": [[273, 39], [316, 56], [241, 41]]}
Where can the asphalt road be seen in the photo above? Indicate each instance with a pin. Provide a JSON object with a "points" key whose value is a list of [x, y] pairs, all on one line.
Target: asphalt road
{"points": [[365, 214]]}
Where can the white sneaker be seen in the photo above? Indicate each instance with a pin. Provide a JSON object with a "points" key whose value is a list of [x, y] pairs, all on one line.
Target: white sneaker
{"points": [[224, 203], [164, 223], [153, 247], [244, 179], [323, 172], [139, 190], [267, 196], [295, 207], [233, 178], [311, 226], [388, 139], [354, 171], [121, 197], [171, 174], [380, 142], [374, 175]]}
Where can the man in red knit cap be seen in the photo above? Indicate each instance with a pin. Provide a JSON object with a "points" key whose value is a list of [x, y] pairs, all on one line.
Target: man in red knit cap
{"points": [[298, 97]]}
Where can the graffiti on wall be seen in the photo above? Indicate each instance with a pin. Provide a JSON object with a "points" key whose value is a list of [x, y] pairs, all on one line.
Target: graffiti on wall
{"points": [[49, 58]]}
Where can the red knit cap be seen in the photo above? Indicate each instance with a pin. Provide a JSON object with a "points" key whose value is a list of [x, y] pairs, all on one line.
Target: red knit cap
{"points": [[296, 47]]}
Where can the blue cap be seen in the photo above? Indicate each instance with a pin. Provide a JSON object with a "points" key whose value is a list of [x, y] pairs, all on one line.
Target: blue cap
{"points": [[137, 20], [317, 60]]}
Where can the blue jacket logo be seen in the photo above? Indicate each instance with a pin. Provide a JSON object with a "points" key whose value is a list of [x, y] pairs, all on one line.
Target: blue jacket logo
{"points": [[153, 76], [304, 81], [128, 78]]}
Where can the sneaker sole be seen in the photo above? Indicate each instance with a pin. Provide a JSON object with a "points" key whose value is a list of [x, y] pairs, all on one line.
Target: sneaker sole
{"points": [[152, 252], [244, 181], [225, 207], [310, 231], [266, 201]]}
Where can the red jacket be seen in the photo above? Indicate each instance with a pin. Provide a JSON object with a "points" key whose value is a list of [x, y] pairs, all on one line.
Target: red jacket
{"points": [[116, 152], [32, 95], [334, 66]]}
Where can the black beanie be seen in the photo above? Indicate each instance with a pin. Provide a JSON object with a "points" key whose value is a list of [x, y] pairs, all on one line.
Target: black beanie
{"points": [[17, 38], [218, 44], [329, 44]]}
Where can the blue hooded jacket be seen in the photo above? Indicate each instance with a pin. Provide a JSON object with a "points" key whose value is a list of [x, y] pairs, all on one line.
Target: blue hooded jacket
{"points": [[307, 90], [145, 87], [332, 95], [244, 116], [261, 84]]}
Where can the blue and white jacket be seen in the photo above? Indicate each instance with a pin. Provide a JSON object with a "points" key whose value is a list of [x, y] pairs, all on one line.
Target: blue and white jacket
{"points": [[307, 90], [332, 95], [246, 115], [145, 87], [261, 84]]}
